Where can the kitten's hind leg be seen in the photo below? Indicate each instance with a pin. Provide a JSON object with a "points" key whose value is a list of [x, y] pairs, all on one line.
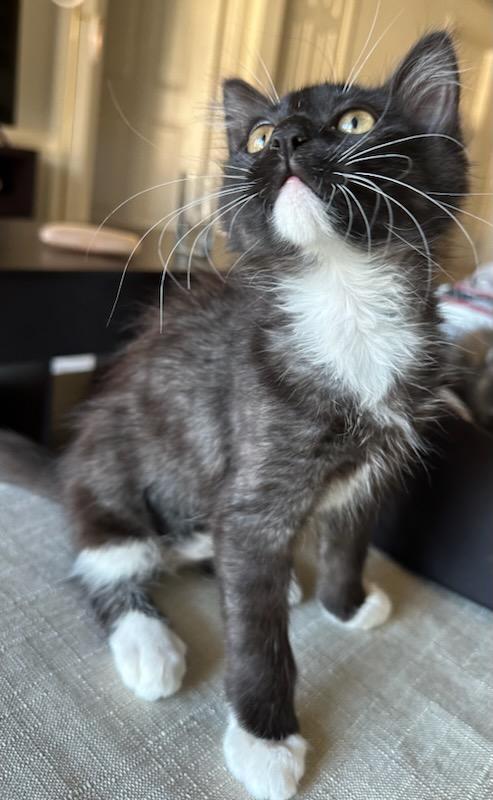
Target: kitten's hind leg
{"points": [[343, 541], [149, 657]]}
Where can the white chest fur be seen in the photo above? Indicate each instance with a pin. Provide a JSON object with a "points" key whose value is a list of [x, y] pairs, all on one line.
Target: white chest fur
{"points": [[350, 316]]}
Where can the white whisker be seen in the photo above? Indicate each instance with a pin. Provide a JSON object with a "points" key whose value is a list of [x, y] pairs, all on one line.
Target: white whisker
{"points": [[409, 138], [350, 211], [230, 270], [125, 119], [172, 215], [223, 211], [269, 78], [390, 25], [365, 218], [145, 191], [379, 155], [372, 185], [431, 200], [348, 82]]}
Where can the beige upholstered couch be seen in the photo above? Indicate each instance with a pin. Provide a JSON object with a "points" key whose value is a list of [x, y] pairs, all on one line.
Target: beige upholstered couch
{"points": [[403, 713]]}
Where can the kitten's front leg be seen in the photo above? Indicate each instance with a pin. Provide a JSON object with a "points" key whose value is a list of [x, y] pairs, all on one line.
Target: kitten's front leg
{"points": [[262, 746]]}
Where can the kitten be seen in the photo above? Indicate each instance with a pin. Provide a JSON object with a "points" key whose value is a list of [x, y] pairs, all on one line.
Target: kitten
{"points": [[295, 392]]}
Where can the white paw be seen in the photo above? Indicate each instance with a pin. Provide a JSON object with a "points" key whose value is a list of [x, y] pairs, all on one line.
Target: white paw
{"points": [[149, 657], [268, 769], [375, 610], [295, 592]]}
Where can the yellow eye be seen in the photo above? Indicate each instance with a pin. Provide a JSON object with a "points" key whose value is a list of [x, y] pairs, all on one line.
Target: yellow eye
{"points": [[356, 121], [259, 137]]}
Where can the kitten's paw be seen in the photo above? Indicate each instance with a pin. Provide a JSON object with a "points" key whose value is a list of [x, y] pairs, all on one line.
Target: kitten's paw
{"points": [[269, 770], [295, 592], [149, 657], [374, 611]]}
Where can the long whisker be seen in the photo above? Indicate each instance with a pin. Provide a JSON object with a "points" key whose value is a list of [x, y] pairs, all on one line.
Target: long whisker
{"points": [[217, 214], [410, 244], [464, 194], [267, 92], [230, 270], [240, 169], [145, 191], [350, 212], [365, 218], [233, 220], [173, 215], [389, 26], [223, 211], [467, 213], [431, 200], [348, 81], [379, 155], [409, 138], [329, 204], [125, 119], [269, 78], [204, 233], [372, 185], [193, 203]]}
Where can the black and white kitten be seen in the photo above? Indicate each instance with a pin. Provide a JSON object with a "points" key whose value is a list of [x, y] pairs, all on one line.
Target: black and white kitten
{"points": [[292, 394]]}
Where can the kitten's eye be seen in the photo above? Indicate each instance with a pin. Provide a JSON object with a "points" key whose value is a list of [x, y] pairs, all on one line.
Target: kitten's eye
{"points": [[356, 121], [259, 137]]}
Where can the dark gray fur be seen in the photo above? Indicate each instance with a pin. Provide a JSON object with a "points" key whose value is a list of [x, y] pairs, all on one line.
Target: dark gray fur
{"points": [[217, 425]]}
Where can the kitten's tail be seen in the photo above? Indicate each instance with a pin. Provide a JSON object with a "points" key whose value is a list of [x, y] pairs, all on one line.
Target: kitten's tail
{"points": [[26, 464]]}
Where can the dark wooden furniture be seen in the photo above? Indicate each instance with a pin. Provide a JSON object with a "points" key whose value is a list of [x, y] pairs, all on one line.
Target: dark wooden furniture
{"points": [[55, 302], [17, 182]]}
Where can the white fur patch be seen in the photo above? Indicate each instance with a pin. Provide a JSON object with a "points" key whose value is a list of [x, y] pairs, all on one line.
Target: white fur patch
{"points": [[100, 566], [149, 657], [342, 491], [298, 214], [375, 610], [349, 317], [295, 592], [198, 547], [269, 770]]}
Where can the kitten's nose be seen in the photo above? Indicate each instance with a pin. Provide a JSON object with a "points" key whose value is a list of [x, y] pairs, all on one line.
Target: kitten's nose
{"points": [[288, 136]]}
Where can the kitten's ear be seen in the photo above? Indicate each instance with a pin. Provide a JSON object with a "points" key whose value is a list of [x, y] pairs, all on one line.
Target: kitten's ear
{"points": [[427, 81], [242, 104]]}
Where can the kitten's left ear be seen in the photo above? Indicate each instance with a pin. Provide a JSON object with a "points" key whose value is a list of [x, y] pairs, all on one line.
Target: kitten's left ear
{"points": [[242, 105], [427, 81]]}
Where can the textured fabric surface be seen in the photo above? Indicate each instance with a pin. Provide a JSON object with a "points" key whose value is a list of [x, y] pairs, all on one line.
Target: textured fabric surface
{"points": [[403, 713]]}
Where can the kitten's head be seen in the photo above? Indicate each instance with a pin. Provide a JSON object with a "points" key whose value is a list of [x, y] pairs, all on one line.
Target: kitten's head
{"points": [[337, 160]]}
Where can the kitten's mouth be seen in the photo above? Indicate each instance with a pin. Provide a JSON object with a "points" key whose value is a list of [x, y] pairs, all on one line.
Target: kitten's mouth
{"points": [[295, 178]]}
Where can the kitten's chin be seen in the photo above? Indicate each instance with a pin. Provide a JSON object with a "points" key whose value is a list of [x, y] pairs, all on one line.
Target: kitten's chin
{"points": [[299, 215]]}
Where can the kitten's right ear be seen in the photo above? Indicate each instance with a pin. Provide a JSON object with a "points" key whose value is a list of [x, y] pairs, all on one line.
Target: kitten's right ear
{"points": [[242, 105]]}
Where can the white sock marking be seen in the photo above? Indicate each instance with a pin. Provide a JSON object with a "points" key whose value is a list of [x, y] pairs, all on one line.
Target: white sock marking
{"points": [[149, 657], [374, 611], [269, 770]]}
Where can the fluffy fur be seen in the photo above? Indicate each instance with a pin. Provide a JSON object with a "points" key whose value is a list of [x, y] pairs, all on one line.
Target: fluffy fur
{"points": [[295, 393], [150, 658], [269, 770]]}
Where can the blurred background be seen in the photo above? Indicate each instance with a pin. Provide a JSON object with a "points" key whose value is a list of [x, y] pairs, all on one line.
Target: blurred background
{"points": [[102, 99], [112, 95]]}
